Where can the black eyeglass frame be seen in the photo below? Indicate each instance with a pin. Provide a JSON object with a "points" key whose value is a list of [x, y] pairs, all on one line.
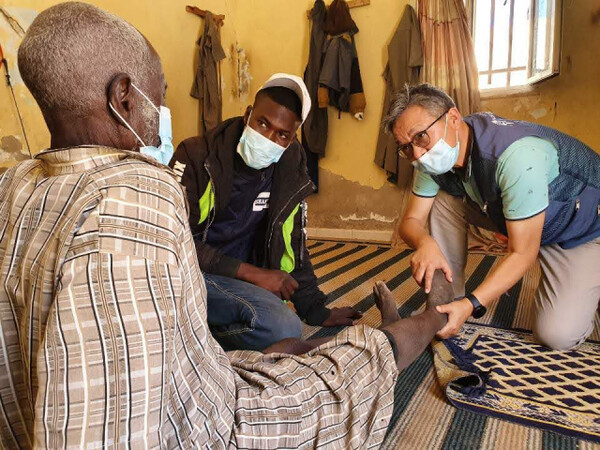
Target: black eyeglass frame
{"points": [[403, 149]]}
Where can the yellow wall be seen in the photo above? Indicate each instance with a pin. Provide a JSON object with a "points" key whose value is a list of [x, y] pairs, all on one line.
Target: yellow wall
{"points": [[171, 30], [354, 192], [12, 142], [278, 42], [276, 39], [353, 189]]}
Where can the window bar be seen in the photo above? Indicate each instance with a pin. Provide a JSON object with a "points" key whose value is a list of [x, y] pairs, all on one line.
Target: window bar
{"points": [[492, 20], [510, 39], [550, 6], [532, 21], [511, 69]]}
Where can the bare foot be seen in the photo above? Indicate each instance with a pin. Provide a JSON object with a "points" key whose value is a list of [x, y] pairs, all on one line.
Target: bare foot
{"points": [[385, 303], [441, 291]]}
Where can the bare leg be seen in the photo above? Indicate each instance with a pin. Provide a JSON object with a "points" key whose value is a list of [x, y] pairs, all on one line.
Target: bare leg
{"points": [[413, 334], [385, 303], [441, 292]]}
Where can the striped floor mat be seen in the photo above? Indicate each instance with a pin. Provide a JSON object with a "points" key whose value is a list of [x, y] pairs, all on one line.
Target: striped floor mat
{"points": [[423, 418]]}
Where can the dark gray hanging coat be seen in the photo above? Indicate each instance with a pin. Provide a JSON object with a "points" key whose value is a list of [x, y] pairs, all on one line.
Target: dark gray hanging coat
{"points": [[314, 130]]}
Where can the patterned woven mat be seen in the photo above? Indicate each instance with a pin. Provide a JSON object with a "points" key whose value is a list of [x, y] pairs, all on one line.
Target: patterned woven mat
{"points": [[505, 374], [423, 417]]}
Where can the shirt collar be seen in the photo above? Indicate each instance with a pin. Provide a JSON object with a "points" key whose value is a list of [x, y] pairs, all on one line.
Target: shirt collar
{"points": [[64, 161]]}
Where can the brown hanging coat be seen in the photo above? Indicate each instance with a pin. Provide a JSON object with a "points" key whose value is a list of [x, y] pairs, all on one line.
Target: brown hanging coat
{"points": [[405, 59], [206, 87]]}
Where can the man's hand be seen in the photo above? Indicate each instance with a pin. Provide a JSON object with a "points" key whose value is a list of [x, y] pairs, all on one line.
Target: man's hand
{"points": [[458, 312], [426, 260], [342, 316], [280, 283]]}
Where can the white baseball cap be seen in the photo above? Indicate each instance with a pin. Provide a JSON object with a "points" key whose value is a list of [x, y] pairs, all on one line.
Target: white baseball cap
{"points": [[296, 84]]}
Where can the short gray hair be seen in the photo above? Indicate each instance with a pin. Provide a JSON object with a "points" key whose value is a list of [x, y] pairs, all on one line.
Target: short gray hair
{"points": [[73, 50], [434, 100]]}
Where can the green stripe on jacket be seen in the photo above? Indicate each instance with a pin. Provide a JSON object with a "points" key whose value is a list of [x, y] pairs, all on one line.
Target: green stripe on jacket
{"points": [[288, 260], [206, 203]]}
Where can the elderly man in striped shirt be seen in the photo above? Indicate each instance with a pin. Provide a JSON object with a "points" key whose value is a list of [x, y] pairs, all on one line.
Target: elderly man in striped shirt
{"points": [[103, 334]]}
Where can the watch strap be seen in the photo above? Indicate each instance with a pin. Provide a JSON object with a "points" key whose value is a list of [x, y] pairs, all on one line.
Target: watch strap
{"points": [[478, 309]]}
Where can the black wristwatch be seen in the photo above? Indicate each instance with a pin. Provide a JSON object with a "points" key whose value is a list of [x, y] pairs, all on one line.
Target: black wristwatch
{"points": [[478, 309]]}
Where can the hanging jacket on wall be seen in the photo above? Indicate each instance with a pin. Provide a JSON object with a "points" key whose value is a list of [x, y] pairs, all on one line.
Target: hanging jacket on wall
{"points": [[340, 79], [206, 86], [405, 58], [315, 125], [339, 20], [314, 129], [206, 166]]}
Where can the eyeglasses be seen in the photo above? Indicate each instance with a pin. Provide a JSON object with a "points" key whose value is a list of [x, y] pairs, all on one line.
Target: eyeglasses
{"points": [[421, 139]]}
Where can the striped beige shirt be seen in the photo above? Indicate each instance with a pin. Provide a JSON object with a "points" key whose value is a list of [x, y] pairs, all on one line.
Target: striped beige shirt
{"points": [[103, 338]]}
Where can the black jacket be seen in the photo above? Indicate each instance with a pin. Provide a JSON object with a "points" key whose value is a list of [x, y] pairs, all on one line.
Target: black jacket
{"points": [[206, 167]]}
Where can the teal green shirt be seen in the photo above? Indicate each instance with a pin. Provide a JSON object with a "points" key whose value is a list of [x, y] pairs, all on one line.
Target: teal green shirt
{"points": [[523, 173]]}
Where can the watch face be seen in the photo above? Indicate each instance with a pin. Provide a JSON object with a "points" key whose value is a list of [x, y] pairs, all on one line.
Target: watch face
{"points": [[479, 312]]}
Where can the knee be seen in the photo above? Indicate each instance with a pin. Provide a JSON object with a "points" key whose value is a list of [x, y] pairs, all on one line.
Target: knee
{"points": [[283, 324], [557, 334], [559, 324], [288, 325]]}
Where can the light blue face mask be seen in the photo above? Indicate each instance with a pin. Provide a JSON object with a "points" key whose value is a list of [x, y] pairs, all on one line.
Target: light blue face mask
{"points": [[441, 158], [164, 153], [256, 150]]}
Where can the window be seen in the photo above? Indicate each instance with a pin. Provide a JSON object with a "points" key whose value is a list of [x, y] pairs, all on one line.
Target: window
{"points": [[517, 42]]}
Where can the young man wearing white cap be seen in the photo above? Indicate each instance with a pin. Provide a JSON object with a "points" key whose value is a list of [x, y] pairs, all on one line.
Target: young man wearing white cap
{"points": [[246, 182]]}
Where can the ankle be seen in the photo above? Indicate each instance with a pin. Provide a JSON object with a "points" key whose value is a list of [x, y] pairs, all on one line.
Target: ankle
{"points": [[438, 319]]}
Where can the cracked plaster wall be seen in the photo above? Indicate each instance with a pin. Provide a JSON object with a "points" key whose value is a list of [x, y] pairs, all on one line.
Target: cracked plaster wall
{"points": [[165, 23], [354, 193]]}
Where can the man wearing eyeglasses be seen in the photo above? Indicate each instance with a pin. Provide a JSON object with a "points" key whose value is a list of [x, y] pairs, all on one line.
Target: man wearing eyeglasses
{"points": [[535, 185]]}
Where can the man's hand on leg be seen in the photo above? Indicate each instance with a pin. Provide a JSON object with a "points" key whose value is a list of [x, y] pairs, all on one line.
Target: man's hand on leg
{"points": [[412, 334]]}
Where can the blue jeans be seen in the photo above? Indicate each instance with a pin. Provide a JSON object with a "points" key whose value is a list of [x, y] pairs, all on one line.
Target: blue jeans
{"points": [[242, 316]]}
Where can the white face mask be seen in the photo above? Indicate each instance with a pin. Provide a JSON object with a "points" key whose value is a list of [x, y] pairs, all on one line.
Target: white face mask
{"points": [[163, 153], [256, 150], [441, 158]]}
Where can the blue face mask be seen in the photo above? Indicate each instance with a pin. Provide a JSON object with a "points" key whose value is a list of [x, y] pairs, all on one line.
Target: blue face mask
{"points": [[441, 158], [164, 153], [258, 151]]}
